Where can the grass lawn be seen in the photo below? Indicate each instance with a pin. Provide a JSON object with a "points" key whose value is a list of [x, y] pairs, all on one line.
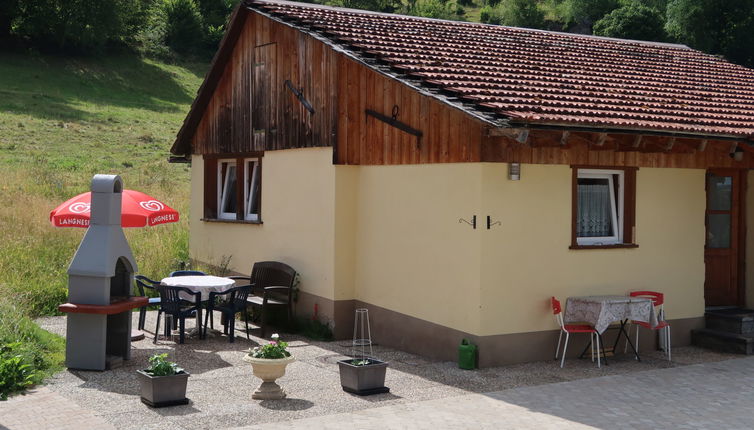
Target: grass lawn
{"points": [[61, 121]]}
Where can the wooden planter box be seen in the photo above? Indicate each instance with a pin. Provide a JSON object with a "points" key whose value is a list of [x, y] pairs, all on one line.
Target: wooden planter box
{"points": [[363, 380], [160, 391]]}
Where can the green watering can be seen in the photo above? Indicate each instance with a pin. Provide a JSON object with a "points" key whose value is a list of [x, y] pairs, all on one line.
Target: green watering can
{"points": [[466, 355]]}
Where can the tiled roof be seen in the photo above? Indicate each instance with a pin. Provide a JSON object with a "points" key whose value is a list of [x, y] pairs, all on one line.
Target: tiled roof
{"points": [[541, 77]]}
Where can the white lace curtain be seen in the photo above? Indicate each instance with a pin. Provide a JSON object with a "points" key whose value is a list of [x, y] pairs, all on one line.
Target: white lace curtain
{"points": [[595, 211]]}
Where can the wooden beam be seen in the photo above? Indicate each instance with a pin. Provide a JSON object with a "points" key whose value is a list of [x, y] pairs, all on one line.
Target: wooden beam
{"points": [[503, 132], [520, 135]]}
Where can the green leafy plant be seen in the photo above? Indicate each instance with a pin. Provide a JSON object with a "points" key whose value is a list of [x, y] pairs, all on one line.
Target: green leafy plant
{"points": [[16, 373], [160, 366], [313, 328], [275, 349]]}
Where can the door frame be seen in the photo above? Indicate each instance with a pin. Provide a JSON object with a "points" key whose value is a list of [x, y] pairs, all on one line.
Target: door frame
{"points": [[739, 175]]}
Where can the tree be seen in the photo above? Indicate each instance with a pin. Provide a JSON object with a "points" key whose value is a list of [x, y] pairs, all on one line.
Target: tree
{"points": [[8, 12], [584, 13], [375, 5], [83, 26], [714, 26], [633, 21], [521, 13], [183, 25], [441, 9]]}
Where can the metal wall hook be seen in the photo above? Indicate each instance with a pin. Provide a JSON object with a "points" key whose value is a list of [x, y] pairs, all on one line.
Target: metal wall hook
{"points": [[472, 223], [490, 223]]}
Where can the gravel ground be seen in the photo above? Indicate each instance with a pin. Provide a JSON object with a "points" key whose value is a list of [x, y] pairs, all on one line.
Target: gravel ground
{"points": [[221, 383]]}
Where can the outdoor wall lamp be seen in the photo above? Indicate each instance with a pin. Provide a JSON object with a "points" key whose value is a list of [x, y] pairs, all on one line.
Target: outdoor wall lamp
{"points": [[514, 171], [737, 154]]}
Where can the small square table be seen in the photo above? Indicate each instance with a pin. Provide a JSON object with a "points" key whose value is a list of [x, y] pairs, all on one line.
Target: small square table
{"points": [[601, 311]]}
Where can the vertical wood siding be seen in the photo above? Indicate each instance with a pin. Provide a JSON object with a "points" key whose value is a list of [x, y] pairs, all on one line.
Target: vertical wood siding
{"points": [[253, 110], [448, 134]]}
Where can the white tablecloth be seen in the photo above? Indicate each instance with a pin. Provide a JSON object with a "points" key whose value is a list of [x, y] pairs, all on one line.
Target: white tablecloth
{"points": [[203, 284], [601, 311]]}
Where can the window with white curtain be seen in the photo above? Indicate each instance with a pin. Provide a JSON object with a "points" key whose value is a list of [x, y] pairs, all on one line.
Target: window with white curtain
{"points": [[599, 212]]}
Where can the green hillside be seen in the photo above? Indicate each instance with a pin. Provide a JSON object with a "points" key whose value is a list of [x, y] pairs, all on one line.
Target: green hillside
{"points": [[61, 121]]}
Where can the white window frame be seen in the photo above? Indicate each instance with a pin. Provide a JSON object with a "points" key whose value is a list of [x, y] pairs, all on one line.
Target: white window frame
{"points": [[254, 182], [222, 184], [617, 209]]}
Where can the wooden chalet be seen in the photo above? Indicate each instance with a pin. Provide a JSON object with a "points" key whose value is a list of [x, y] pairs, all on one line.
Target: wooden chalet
{"points": [[452, 177]]}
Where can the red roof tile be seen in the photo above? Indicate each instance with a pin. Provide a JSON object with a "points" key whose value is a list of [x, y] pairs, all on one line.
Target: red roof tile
{"points": [[541, 77]]}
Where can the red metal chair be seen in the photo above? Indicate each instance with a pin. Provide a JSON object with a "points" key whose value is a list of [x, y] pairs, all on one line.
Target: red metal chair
{"points": [[573, 328], [658, 299]]}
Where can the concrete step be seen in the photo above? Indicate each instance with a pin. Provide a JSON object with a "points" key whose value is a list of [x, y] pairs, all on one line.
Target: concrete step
{"points": [[732, 320], [723, 341]]}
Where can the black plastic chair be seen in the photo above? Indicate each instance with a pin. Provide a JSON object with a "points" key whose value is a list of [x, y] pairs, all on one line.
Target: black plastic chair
{"points": [[187, 273], [143, 284], [229, 303], [272, 286], [178, 308]]}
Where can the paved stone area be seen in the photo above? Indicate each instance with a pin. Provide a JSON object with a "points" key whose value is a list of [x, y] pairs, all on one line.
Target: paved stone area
{"points": [[704, 396], [42, 408], [423, 392]]}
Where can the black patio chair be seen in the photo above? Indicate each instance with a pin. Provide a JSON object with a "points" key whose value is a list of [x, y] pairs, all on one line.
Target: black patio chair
{"points": [[178, 308], [143, 284], [187, 273], [272, 286], [228, 303]]}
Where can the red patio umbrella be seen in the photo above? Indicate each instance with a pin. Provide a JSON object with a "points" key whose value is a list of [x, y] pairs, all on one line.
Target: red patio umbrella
{"points": [[138, 210]]}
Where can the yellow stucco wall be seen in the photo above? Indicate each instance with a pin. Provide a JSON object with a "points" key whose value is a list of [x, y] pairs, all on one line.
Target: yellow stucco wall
{"points": [[526, 259], [298, 207], [391, 236], [414, 257], [412, 254]]}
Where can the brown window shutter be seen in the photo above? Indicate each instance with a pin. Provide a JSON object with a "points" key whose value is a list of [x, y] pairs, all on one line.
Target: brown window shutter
{"points": [[210, 188]]}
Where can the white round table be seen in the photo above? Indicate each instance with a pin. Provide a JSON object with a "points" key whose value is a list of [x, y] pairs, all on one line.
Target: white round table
{"points": [[202, 284]]}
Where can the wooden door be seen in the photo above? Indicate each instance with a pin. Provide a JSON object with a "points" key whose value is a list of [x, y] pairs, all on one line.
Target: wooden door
{"points": [[265, 92], [723, 251]]}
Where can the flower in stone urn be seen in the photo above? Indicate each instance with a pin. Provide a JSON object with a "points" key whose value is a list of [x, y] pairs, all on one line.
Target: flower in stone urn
{"points": [[268, 364]]}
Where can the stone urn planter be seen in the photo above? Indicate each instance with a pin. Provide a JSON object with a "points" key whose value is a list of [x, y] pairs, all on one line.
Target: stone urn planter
{"points": [[363, 376], [268, 370]]}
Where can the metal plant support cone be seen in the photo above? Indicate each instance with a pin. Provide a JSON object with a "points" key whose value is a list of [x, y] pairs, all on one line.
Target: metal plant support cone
{"points": [[362, 335]]}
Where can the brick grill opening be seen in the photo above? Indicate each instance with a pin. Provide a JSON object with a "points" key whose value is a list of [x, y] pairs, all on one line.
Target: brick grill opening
{"points": [[100, 284]]}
